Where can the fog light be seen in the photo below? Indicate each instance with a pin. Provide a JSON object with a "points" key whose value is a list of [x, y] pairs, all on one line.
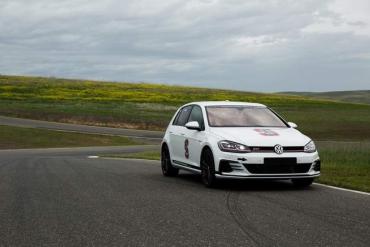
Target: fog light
{"points": [[316, 165], [225, 166]]}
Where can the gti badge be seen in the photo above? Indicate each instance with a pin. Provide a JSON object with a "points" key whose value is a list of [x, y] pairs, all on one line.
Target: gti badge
{"points": [[278, 149]]}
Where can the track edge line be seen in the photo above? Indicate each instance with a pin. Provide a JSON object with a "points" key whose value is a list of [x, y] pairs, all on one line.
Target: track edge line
{"points": [[343, 189]]}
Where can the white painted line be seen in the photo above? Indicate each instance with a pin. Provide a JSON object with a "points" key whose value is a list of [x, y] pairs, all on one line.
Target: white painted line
{"points": [[92, 157], [132, 159], [343, 189]]}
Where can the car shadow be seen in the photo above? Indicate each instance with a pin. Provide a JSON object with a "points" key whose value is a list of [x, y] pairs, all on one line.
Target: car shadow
{"points": [[245, 185]]}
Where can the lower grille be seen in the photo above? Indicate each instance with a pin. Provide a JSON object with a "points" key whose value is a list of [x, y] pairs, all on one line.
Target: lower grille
{"points": [[278, 165]]}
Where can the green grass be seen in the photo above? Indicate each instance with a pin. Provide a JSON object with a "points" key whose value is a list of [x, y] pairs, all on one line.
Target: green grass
{"points": [[344, 164], [150, 106], [17, 137]]}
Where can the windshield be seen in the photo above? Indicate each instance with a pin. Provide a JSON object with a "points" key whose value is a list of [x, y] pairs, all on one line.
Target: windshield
{"points": [[242, 116]]}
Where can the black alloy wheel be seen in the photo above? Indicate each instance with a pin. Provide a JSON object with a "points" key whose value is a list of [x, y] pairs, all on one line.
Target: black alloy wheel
{"points": [[167, 169]]}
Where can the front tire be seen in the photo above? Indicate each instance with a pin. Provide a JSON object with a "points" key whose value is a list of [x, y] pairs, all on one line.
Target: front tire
{"points": [[167, 169], [208, 169], [302, 182]]}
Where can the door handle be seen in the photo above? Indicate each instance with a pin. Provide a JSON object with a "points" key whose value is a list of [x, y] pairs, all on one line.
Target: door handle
{"points": [[182, 134]]}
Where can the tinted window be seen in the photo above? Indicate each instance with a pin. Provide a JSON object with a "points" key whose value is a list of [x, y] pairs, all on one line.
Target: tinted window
{"points": [[182, 116], [242, 116], [196, 115]]}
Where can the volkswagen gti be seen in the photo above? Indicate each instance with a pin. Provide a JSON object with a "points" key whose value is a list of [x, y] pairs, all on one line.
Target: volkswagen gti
{"points": [[237, 140]]}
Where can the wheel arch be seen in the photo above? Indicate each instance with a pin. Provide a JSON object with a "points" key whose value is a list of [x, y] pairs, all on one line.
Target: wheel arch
{"points": [[204, 148], [163, 146], [208, 146]]}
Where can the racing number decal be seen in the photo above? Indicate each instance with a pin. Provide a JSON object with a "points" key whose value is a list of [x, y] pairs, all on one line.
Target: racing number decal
{"points": [[186, 147]]}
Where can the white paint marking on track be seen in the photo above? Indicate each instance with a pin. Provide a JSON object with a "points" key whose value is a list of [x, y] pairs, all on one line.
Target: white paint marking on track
{"points": [[343, 189], [92, 157], [133, 159]]}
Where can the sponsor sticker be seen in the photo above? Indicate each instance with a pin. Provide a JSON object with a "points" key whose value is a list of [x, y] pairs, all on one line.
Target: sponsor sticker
{"points": [[266, 132]]}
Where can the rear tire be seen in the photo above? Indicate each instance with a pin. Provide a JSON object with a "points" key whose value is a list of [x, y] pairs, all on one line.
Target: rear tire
{"points": [[302, 182], [167, 169], [207, 166]]}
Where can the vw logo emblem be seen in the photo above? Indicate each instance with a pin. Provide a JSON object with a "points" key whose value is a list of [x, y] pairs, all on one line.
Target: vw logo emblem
{"points": [[278, 149]]}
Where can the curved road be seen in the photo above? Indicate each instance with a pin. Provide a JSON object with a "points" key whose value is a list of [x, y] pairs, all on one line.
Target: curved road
{"points": [[59, 197]]}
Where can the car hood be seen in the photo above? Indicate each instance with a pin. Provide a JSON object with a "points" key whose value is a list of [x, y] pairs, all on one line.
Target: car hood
{"points": [[257, 136]]}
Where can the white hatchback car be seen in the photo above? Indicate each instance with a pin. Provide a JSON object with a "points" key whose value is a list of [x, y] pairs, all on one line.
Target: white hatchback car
{"points": [[239, 140]]}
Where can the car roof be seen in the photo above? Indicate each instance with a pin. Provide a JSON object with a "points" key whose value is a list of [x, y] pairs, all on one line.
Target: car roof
{"points": [[225, 103]]}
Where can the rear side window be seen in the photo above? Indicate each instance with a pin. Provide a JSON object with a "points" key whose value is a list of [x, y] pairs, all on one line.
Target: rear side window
{"points": [[183, 116], [197, 115]]}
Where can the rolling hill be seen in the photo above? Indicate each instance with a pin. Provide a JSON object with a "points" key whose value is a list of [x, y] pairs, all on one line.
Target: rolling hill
{"points": [[150, 106], [357, 96]]}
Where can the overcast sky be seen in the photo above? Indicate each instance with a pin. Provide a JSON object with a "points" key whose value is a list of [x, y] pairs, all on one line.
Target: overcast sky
{"points": [[270, 46]]}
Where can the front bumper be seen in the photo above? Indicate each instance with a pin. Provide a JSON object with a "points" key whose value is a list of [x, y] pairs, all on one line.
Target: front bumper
{"points": [[268, 176], [238, 165]]}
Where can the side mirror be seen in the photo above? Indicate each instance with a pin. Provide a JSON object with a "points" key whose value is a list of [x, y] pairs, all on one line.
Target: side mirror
{"points": [[293, 125], [193, 125]]}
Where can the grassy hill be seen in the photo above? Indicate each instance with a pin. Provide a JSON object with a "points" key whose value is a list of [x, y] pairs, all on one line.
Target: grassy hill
{"points": [[150, 106], [357, 96]]}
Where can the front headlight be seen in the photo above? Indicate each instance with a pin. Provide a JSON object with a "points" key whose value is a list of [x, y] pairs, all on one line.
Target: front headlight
{"points": [[310, 147], [229, 146]]}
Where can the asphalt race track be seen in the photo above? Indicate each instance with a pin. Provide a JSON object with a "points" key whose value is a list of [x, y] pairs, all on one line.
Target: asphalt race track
{"points": [[60, 197]]}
